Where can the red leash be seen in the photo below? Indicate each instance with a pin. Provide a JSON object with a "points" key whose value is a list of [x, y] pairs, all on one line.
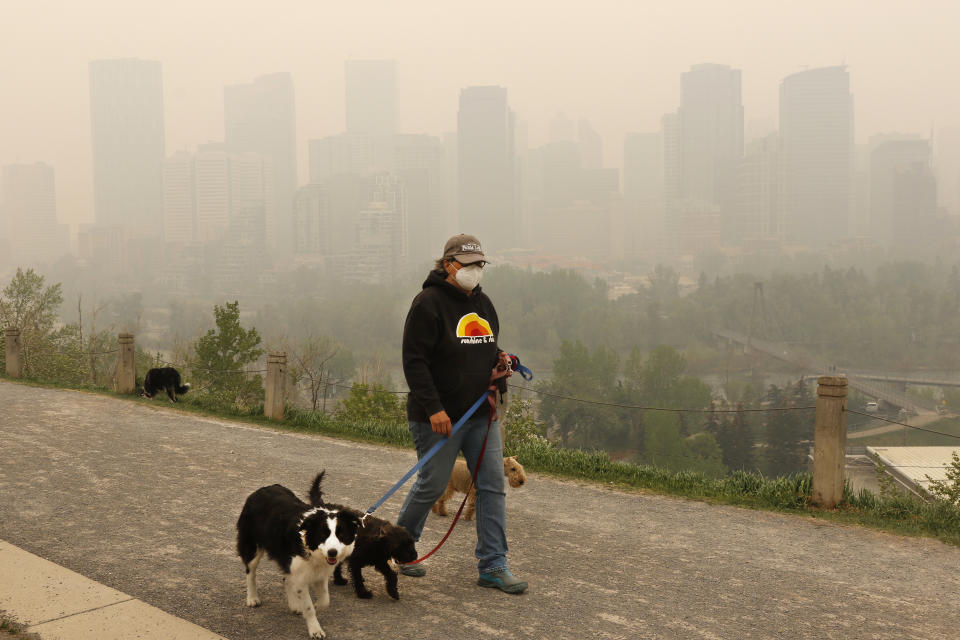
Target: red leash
{"points": [[473, 480]]}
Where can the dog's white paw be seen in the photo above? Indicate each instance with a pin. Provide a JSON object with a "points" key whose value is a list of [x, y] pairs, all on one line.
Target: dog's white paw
{"points": [[315, 630], [253, 602]]}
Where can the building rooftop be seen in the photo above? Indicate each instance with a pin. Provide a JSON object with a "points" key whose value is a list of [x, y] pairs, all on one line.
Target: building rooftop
{"points": [[914, 464]]}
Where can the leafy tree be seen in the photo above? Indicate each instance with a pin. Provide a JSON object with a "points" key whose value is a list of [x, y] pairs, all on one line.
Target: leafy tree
{"points": [[222, 354], [661, 383], [372, 403], [948, 490], [580, 373], [665, 447], [734, 436], [31, 307], [520, 425], [788, 433]]}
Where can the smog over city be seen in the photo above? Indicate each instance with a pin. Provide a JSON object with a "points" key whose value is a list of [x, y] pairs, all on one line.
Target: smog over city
{"points": [[679, 204], [629, 318]]}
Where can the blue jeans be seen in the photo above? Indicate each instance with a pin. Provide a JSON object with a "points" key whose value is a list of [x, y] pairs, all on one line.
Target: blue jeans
{"points": [[432, 480]]}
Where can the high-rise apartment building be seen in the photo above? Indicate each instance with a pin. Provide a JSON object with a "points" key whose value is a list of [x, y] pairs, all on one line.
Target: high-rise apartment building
{"points": [[179, 199], [591, 145], [670, 134], [486, 166], [28, 215], [947, 163], [915, 212], [419, 163], [899, 165], [230, 186], [212, 184], [571, 210], [311, 221], [756, 205], [346, 153], [711, 135], [260, 118], [126, 117], [691, 223], [816, 156]]}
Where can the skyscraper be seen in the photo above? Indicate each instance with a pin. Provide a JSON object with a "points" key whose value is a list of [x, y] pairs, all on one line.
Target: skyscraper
{"points": [[28, 204], [260, 117], [757, 210], [486, 168], [179, 199], [947, 163], [816, 159], [346, 153], [711, 135], [898, 166], [591, 145], [126, 117], [212, 185], [419, 163], [915, 204], [312, 221]]}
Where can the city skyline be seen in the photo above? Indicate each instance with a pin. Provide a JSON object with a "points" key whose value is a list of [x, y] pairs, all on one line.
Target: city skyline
{"points": [[798, 186], [621, 85]]}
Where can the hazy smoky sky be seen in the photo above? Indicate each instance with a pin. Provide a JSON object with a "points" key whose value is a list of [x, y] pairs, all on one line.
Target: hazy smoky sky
{"points": [[616, 63]]}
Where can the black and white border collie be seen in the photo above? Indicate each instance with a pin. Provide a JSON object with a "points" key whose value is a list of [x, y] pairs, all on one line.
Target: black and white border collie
{"points": [[164, 379], [306, 542]]}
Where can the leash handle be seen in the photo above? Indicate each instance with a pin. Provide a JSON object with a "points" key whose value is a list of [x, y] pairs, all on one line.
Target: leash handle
{"points": [[524, 372], [431, 452]]}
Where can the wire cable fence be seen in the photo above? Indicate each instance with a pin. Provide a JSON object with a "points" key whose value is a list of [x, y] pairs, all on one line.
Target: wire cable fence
{"points": [[903, 424], [646, 408], [615, 404], [189, 366]]}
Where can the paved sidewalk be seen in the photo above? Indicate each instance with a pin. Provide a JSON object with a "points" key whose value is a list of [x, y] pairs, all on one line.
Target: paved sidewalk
{"points": [[59, 604], [145, 500]]}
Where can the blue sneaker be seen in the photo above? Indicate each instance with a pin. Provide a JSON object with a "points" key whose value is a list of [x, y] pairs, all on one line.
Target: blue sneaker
{"points": [[502, 579]]}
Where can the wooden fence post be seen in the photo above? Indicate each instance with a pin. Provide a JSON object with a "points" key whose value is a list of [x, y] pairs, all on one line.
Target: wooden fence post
{"points": [[830, 441], [126, 364], [11, 337], [276, 385]]}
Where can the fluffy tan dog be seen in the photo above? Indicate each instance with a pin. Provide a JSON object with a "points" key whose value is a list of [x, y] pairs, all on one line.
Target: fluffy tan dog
{"points": [[460, 483]]}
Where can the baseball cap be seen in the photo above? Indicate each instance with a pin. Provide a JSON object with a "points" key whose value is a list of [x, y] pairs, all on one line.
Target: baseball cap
{"points": [[465, 249]]}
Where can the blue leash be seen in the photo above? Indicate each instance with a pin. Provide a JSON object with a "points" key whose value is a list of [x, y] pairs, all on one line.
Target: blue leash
{"points": [[429, 454]]}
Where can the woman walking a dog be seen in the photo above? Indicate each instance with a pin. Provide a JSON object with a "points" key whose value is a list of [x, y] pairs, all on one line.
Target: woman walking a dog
{"points": [[449, 355]]}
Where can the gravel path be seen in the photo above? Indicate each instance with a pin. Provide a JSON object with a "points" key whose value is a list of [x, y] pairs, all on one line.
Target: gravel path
{"points": [[145, 499]]}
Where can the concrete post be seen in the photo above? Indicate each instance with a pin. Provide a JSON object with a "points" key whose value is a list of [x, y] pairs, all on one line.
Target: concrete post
{"points": [[14, 365], [126, 367], [276, 385], [830, 441]]}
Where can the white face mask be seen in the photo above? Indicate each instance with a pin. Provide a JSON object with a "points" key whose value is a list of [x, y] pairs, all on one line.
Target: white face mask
{"points": [[469, 276]]}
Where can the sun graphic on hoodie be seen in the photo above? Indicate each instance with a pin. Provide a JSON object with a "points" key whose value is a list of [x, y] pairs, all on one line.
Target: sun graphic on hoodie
{"points": [[472, 325]]}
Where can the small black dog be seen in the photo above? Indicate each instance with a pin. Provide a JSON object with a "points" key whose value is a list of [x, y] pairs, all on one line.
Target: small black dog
{"points": [[377, 542], [164, 379]]}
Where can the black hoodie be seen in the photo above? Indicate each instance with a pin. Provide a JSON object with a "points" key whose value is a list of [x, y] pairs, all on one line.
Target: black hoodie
{"points": [[449, 348]]}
